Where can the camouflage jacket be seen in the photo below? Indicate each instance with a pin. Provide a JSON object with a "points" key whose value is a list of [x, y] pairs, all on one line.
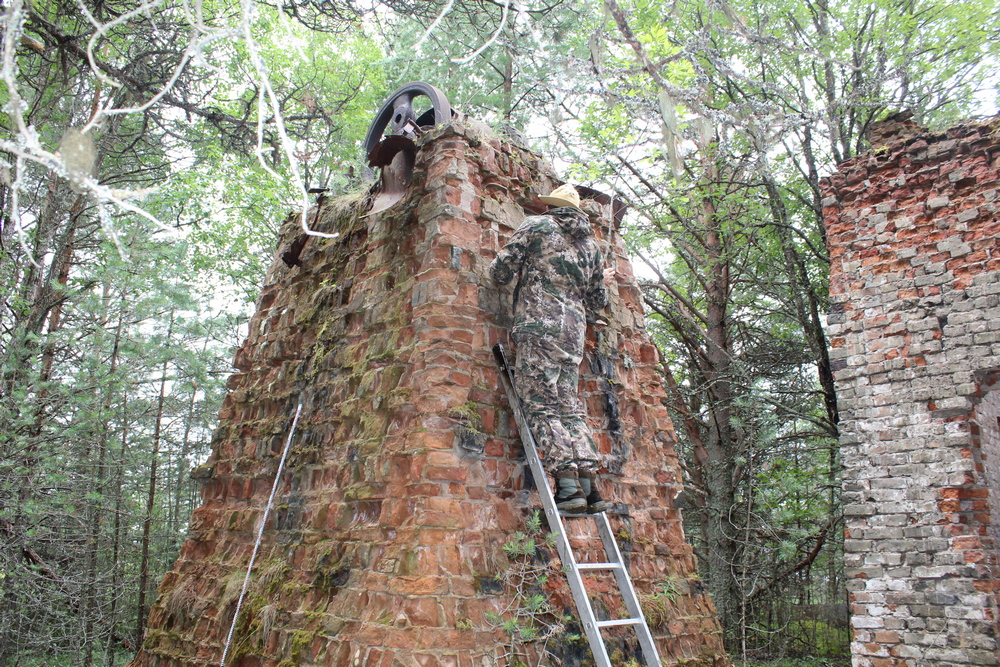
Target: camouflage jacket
{"points": [[558, 271]]}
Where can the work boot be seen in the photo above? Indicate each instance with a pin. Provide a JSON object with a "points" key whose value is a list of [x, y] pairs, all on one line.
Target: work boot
{"points": [[569, 497], [588, 485]]}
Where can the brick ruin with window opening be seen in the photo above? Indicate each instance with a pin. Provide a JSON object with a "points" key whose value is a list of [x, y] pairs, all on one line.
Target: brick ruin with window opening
{"points": [[406, 479], [914, 328]]}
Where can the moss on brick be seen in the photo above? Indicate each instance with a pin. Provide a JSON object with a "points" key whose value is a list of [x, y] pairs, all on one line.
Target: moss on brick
{"points": [[380, 504]]}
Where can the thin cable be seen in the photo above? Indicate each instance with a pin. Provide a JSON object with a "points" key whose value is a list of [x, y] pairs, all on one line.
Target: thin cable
{"points": [[260, 537], [503, 22], [430, 29]]}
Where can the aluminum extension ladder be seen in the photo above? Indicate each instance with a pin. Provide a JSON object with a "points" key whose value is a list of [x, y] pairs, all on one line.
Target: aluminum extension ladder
{"points": [[574, 570]]}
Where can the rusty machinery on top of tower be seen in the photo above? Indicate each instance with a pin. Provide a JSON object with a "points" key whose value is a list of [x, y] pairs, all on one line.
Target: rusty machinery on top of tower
{"points": [[390, 146], [393, 153]]}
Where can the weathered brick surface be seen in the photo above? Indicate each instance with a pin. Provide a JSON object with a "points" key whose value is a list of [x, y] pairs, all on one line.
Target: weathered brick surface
{"points": [[914, 327], [406, 477]]}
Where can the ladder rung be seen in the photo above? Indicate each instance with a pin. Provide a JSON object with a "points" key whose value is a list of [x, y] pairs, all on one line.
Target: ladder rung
{"points": [[572, 569], [598, 566], [619, 621]]}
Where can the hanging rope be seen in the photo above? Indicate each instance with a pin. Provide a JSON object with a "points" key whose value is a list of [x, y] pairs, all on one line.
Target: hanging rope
{"points": [[260, 537]]}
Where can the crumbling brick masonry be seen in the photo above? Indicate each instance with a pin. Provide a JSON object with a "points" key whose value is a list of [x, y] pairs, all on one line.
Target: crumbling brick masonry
{"points": [[913, 233], [406, 477]]}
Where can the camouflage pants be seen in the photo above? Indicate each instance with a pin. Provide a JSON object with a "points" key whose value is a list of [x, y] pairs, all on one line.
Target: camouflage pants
{"points": [[547, 376]]}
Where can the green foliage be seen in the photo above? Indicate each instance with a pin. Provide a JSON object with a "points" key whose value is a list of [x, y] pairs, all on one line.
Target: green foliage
{"points": [[751, 102], [818, 661], [519, 546], [116, 368], [819, 639], [715, 122], [529, 617], [658, 606]]}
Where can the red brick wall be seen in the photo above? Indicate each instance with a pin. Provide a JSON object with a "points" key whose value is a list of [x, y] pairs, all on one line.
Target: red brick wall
{"points": [[913, 233], [406, 477]]}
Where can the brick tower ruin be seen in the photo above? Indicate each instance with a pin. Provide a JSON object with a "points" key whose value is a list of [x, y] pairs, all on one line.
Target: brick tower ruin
{"points": [[406, 481], [913, 231]]}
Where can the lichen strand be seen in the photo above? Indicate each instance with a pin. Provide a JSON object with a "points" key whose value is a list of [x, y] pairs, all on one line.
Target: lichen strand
{"points": [[405, 473]]}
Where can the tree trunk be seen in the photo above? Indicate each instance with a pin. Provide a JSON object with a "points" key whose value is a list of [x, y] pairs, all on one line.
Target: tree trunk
{"points": [[141, 610], [93, 592], [508, 85], [20, 348], [109, 652], [806, 303], [182, 463], [720, 475]]}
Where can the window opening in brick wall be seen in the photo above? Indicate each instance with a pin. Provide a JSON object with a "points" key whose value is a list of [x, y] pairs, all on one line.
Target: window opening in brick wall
{"points": [[985, 432]]}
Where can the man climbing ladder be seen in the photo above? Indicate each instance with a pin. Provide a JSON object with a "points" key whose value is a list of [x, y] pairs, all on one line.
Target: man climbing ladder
{"points": [[556, 268], [558, 286]]}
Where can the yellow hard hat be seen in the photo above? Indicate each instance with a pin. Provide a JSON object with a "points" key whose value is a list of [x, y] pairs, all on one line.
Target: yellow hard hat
{"points": [[564, 195]]}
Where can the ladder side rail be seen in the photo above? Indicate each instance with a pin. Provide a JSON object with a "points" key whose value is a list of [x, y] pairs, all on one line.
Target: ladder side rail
{"points": [[587, 617], [629, 595]]}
